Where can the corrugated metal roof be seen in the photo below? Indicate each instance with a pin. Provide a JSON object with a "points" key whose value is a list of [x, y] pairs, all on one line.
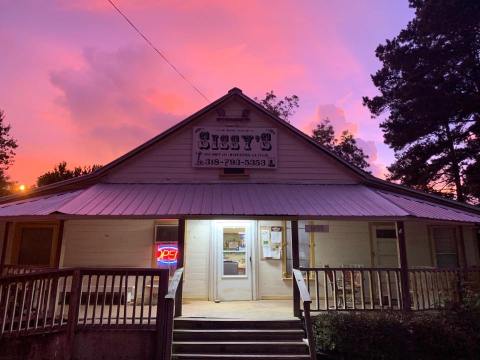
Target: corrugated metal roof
{"points": [[41, 205], [426, 209], [171, 200], [230, 199]]}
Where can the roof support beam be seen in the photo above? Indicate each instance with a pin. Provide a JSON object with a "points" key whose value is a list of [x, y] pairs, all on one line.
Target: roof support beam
{"points": [[462, 258], [295, 265], [4, 246], [180, 263], [402, 257]]}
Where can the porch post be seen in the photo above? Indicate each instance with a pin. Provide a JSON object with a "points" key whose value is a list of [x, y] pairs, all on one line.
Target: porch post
{"points": [[461, 248], [295, 265], [4, 246], [402, 254], [59, 244], [180, 263]]}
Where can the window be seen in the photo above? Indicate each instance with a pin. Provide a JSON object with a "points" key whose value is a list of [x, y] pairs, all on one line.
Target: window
{"points": [[166, 251], [445, 246], [233, 171], [166, 233], [234, 251], [305, 247], [35, 244]]}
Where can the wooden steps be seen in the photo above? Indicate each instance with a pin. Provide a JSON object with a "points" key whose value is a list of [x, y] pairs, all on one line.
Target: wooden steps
{"points": [[238, 339]]}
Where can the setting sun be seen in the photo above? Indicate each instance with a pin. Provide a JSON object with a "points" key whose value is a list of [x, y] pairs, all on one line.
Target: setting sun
{"points": [[22, 187]]}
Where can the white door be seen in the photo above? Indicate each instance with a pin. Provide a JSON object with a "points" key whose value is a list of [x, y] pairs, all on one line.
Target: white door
{"points": [[385, 246], [234, 277]]}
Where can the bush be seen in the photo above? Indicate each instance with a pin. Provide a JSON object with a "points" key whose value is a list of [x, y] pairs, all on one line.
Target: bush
{"points": [[452, 334]]}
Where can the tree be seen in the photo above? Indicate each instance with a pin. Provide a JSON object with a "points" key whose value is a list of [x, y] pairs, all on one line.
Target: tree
{"points": [[430, 91], [7, 153], [283, 108], [60, 173], [346, 147]]}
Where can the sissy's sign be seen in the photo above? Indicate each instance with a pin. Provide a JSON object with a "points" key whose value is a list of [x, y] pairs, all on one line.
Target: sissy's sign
{"points": [[234, 147]]}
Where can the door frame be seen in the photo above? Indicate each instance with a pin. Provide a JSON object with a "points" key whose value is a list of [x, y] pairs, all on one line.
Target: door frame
{"points": [[214, 256], [373, 240]]}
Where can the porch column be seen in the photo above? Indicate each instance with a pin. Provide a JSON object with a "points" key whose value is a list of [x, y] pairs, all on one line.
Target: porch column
{"points": [[180, 263], [402, 254], [462, 259], [59, 244], [4, 246], [295, 265]]}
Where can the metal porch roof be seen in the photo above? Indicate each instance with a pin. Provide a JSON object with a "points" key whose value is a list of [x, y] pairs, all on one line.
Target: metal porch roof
{"points": [[157, 200]]}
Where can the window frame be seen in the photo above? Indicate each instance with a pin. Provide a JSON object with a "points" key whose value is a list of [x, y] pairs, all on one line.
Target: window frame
{"points": [[17, 239], [311, 239], [434, 245], [163, 223]]}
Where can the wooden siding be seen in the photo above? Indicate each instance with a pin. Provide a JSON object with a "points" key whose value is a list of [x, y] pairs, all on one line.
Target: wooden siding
{"points": [[103, 243], [170, 160]]}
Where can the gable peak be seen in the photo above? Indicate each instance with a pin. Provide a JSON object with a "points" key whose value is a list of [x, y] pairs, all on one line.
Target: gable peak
{"points": [[235, 90]]}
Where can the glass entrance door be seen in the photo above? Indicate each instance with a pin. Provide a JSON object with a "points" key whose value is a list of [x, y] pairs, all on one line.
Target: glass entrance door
{"points": [[234, 262]]}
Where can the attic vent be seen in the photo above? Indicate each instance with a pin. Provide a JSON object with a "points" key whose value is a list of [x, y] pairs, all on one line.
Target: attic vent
{"points": [[233, 171]]}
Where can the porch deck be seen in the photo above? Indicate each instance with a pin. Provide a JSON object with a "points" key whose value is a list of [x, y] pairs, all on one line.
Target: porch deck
{"points": [[249, 310]]}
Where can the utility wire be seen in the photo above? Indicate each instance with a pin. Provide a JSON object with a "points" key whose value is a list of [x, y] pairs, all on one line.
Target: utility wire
{"points": [[157, 50]]}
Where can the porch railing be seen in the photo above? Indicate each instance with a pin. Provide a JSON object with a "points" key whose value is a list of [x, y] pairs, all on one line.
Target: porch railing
{"points": [[356, 289], [72, 300], [9, 270]]}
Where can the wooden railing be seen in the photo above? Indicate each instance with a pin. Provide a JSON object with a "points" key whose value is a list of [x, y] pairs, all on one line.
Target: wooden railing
{"points": [[353, 288], [356, 289], [72, 300], [171, 301], [35, 302], [9, 270], [307, 321]]}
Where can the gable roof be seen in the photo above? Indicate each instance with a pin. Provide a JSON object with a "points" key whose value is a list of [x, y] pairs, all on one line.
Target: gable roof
{"points": [[366, 178]]}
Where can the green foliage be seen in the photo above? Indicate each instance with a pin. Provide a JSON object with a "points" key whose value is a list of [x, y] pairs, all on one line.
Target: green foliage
{"points": [[7, 152], [283, 108], [429, 90], [346, 147], [60, 173], [453, 334]]}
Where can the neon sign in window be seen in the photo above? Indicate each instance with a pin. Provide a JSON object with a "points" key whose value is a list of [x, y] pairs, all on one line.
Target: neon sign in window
{"points": [[166, 254]]}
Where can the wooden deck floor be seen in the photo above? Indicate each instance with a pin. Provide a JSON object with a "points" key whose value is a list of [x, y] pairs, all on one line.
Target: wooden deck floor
{"points": [[255, 310]]}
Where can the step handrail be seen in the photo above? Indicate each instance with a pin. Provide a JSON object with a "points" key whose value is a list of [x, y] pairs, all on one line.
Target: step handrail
{"points": [[171, 301], [307, 300]]}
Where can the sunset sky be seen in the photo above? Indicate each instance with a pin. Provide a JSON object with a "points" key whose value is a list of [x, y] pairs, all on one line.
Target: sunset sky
{"points": [[78, 84]]}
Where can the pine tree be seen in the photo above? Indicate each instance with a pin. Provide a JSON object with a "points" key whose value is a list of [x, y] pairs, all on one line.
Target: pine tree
{"points": [[430, 92]]}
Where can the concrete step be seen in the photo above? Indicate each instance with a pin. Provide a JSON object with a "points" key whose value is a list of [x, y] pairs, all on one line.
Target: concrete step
{"points": [[239, 357], [192, 323], [237, 335], [240, 347]]}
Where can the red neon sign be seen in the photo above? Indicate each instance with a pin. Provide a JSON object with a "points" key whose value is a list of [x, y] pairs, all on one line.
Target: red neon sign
{"points": [[166, 254]]}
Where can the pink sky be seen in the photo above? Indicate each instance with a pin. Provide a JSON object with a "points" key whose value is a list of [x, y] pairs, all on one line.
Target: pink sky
{"points": [[79, 85]]}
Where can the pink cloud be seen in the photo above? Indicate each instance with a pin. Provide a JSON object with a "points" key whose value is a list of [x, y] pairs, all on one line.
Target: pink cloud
{"points": [[82, 86]]}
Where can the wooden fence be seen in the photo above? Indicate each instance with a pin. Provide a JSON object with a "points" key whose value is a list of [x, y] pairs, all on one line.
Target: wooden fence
{"points": [[73, 300], [354, 289]]}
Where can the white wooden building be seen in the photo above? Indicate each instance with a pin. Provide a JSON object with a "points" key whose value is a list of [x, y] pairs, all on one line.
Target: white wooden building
{"points": [[219, 193]]}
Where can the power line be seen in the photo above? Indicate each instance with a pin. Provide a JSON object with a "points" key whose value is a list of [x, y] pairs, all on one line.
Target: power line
{"points": [[157, 50]]}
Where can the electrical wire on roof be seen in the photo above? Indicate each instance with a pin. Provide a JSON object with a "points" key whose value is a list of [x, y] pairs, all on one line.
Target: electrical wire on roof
{"points": [[157, 50]]}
